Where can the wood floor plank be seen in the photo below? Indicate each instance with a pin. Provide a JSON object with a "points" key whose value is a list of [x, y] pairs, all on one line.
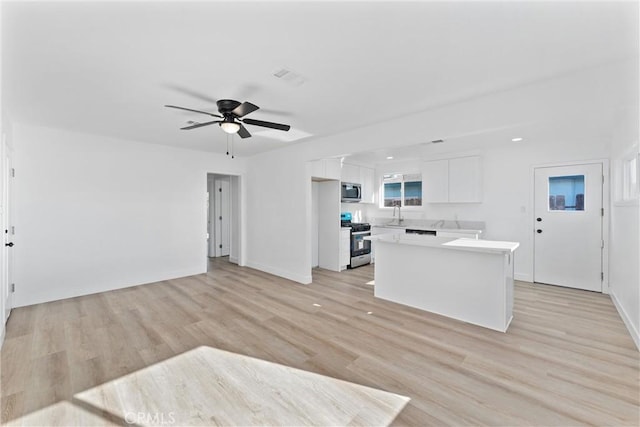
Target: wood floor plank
{"points": [[566, 359]]}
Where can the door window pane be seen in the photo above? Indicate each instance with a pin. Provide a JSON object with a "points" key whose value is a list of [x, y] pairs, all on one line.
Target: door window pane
{"points": [[566, 193]]}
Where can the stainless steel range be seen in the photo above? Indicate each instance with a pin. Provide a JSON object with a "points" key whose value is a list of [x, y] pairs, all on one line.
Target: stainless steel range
{"points": [[360, 248]]}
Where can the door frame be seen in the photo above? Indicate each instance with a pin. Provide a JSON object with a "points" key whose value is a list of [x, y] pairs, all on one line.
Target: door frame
{"points": [[241, 216], [8, 254], [606, 205]]}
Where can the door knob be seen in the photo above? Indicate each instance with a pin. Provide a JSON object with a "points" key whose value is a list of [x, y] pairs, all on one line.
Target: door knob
{"points": [[539, 231], [538, 219], [10, 244]]}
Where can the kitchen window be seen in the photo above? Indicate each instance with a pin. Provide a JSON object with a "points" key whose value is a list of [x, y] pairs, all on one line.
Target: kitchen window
{"points": [[401, 190]]}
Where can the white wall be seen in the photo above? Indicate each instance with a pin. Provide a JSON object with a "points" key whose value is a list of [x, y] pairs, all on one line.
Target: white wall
{"points": [[279, 205], [624, 278], [96, 213]]}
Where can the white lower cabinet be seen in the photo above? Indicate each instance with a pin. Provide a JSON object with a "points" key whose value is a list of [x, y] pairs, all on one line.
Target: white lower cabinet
{"points": [[345, 248]]}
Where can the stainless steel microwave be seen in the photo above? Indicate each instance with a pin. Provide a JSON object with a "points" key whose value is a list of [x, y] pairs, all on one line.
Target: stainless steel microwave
{"points": [[351, 193]]}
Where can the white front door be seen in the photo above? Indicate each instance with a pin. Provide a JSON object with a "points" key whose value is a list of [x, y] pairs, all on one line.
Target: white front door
{"points": [[7, 230], [568, 226]]}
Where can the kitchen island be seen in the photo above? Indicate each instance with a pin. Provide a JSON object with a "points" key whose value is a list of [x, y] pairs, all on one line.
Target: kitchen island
{"points": [[465, 279]]}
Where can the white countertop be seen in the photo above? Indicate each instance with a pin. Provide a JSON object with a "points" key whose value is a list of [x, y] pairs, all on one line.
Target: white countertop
{"points": [[428, 228], [489, 245], [447, 242]]}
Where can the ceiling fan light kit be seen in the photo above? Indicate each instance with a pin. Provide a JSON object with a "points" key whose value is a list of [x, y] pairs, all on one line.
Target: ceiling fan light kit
{"points": [[230, 126]]}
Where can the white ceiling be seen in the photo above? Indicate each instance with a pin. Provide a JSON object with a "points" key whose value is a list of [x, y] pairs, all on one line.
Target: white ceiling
{"points": [[108, 68]]}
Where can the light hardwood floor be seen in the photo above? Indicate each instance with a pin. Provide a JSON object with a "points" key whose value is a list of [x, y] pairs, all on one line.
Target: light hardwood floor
{"points": [[566, 359]]}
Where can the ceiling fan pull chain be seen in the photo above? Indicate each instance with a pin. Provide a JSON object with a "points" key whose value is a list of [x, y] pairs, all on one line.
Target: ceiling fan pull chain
{"points": [[232, 140], [227, 144]]}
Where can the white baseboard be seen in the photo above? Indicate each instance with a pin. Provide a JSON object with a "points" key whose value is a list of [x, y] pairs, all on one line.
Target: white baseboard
{"points": [[233, 260], [625, 318], [109, 286], [303, 279], [523, 277], [4, 327]]}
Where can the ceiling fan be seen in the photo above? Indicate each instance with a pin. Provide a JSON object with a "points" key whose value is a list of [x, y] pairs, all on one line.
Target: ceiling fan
{"points": [[231, 113]]}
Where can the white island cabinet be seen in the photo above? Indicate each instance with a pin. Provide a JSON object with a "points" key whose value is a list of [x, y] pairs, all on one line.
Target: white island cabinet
{"points": [[466, 279]]}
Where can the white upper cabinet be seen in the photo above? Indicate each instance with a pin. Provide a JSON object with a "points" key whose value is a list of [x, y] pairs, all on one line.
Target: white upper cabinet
{"points": [[435, 181], [457, 180], [326, 169], [350, 173], [368, 181], [465, 180], [332, 168]]}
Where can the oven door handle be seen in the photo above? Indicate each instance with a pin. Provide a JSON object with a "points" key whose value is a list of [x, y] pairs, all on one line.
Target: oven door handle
{"points": [[360, 232]]}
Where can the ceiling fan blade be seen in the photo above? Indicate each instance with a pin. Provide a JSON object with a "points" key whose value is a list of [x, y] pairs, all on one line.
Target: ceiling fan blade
{"points": [[199, 125], [244, 109], [267, 124], [195, 111], [243, 132]]}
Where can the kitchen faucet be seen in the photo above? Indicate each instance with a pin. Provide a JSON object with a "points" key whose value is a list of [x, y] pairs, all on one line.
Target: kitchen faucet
{"points": [[400, 219]]}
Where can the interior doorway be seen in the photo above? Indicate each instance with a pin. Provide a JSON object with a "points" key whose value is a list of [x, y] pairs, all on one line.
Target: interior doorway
{"points": [[568, 226], [223, 217]]}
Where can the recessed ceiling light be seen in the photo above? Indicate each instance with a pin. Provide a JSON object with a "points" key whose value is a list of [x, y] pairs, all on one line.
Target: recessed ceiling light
{"points": [[389, 157], [516, 139]]}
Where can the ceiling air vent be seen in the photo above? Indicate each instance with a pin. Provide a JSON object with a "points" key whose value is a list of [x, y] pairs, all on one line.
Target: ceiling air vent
{"points": [[290, 77]]}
